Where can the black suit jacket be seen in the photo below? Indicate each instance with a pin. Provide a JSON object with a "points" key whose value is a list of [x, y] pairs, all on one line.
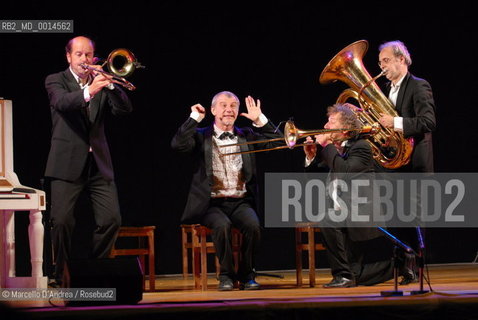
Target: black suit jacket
{"points": [[356, 162], [416, 105], [197, 142], [73, 133]]}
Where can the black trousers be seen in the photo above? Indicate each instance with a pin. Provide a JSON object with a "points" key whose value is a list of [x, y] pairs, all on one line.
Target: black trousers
{"points": [[347, 258], [104, 201], [221, 216]]}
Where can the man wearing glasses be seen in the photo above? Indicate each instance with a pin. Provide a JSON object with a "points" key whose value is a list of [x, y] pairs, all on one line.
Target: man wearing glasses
{"points": [[413, 101]]}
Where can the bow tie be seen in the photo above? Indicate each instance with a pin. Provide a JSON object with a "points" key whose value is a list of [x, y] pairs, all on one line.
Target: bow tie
{"points": [[225, 135]]}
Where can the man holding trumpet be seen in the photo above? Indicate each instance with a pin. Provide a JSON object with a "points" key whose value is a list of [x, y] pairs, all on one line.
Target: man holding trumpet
{"points": [[79, 158]]}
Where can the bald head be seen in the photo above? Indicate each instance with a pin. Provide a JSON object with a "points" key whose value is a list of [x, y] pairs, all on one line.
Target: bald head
{"points": [[69, 45], [80, 50]]}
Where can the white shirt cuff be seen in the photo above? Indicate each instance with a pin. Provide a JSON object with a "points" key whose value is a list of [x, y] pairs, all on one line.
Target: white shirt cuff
{"points": [[196, 116], [398, 124], [86, 94], [111, 86], [308, 162], [262, 121]]}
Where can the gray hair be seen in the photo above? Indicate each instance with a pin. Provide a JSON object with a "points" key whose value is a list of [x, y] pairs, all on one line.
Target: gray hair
{"points": [[399, 49], [228, 94], [348, 116]]}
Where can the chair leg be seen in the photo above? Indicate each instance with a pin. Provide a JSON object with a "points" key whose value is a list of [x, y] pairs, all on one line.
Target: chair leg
{"points": [[197, 268], [203, 260], [298, 257], [311, 244], [184, 241], [152, 272]]}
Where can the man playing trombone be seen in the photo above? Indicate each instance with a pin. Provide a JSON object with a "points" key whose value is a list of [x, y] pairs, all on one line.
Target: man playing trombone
{"points": [[346, 154], [223, 190], [79, 157]]}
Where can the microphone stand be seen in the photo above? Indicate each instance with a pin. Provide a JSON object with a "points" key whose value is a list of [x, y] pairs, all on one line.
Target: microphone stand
{"points": [[420, 262], [395, 292]]}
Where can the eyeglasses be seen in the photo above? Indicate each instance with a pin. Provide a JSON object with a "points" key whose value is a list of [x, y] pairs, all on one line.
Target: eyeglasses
{"points": [[384, 61]]}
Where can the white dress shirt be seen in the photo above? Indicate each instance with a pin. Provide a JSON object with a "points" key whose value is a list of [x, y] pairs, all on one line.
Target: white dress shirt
{"points": [[392, 96], [85, 86], [334, 194], [228, 177]]}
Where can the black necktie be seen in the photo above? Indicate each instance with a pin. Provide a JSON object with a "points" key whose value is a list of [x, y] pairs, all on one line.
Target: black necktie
{"points": [[225, 135]]}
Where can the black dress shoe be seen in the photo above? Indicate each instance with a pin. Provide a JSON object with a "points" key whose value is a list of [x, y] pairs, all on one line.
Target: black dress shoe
{"points": [[408, 270], [340, 282], [225, 285], [411, 278], [54, 284], [249, 285], [408, 276]]}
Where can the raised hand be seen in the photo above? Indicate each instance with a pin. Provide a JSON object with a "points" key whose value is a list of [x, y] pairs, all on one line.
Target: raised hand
{"points": [[199, 109], [253, 109]]}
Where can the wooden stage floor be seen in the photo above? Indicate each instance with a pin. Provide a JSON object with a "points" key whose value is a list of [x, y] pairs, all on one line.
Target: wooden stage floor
{"points": [[444, 278], [452, 285]]}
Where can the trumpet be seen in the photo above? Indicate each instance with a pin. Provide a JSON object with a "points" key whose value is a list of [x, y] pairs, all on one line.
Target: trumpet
{"points": [[118, 74], [292, 134]]}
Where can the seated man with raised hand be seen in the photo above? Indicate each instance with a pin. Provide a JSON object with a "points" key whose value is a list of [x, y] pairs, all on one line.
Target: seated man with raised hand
{"points": [[223, 190]]}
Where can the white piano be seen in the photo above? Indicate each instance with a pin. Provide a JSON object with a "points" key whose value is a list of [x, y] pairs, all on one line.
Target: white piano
{"points": [[16, 197]]}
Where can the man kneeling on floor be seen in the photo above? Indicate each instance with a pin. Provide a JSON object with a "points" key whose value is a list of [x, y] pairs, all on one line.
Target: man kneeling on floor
{"points": [[346, 154]]}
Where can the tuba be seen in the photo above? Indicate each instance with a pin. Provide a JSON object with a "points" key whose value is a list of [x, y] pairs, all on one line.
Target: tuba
{"points": [[389, 148]]}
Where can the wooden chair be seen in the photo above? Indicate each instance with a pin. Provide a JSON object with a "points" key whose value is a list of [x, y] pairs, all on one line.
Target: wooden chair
{"points": [[187, 246], [141, 233], [197, 238], [310, 245]]}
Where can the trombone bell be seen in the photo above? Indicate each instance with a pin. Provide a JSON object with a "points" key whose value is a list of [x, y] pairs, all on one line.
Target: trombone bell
{"points": [[292, 133], [120, 70], [127, 65]]}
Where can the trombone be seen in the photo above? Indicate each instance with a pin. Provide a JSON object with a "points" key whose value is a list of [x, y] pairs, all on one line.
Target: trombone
{"points": [[292, 134], [118, 74]]}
